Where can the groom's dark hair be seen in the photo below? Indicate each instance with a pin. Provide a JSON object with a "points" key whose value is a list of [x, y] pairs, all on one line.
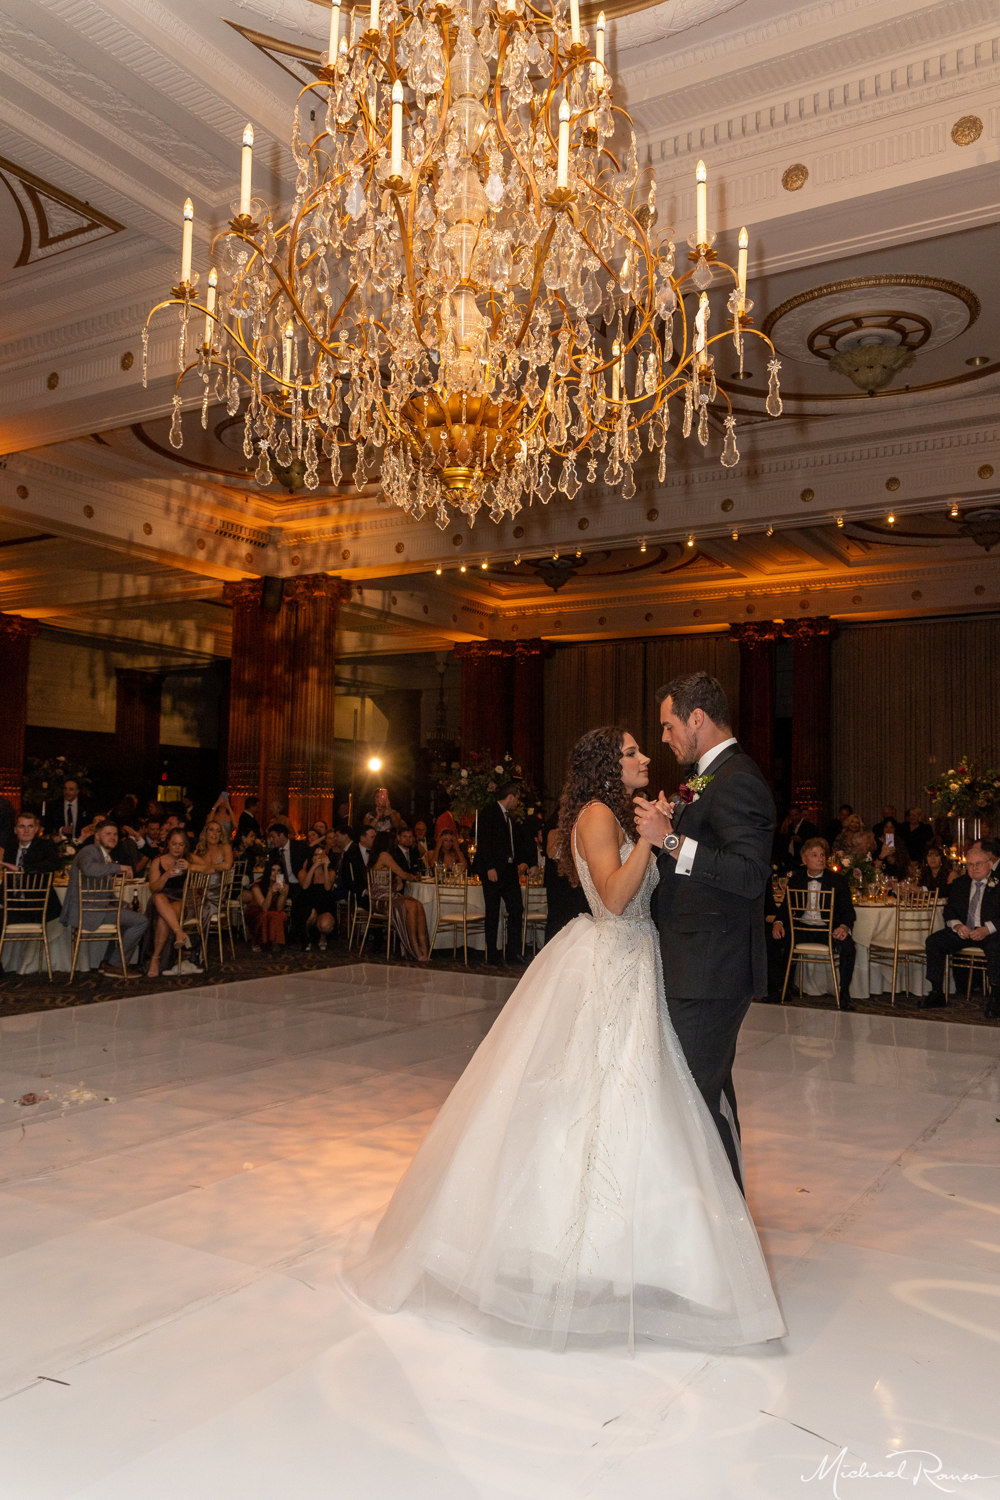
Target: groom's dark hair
{"points": [[697, 690]]}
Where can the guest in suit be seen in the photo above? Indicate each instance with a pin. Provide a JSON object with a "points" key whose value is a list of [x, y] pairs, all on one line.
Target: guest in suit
{"points": [[791, 836], [407, 855], [291, 856], [354, 865], [71, 814], [247, 820], [972, 920], [814, 877], [92, 865], [715, 865], [498, 867], [26, 850], [420, 837]]}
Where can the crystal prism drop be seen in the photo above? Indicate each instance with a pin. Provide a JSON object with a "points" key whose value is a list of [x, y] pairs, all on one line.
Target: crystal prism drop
{"points": [[774, 403], [730, 452]]}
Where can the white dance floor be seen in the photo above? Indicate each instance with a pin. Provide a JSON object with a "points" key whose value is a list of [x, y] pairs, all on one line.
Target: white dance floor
{"points": [[172, 1324]]}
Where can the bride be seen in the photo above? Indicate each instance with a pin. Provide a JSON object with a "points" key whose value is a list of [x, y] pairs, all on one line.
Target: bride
{"points": [[573, 1184]]}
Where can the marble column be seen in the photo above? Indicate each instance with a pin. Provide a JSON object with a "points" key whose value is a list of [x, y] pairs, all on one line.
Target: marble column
{"points": [[811, 714], [756, 719], [137, 727], [487, 697], [15, 643], [528, 728], [281, 696]]}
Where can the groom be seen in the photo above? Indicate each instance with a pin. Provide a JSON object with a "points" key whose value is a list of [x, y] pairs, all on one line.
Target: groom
{"points": [[715, 838]]}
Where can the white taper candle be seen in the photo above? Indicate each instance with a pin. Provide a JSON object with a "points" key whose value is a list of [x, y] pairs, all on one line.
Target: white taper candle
{"points": [[187, 240]]}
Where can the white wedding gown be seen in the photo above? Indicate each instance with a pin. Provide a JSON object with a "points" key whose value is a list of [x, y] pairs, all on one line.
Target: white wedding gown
{"points": [[573, 1184]]}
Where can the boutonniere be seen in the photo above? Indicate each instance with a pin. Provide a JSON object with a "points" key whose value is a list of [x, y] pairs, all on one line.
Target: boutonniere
{"points": [[992, 882], [692, 789]]}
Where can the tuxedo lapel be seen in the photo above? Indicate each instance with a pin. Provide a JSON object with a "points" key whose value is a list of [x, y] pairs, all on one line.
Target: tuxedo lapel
{"points": [[716, 764]]}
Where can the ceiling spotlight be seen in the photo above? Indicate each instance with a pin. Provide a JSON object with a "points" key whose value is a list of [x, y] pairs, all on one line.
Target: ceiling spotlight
{"points": [[954, 512], [735, 535], [439, 571], [840, 521], [555, 557], [890, 519], [690, 541], [642, 544], [769, 531], [484, 565], [462, 569], [579, 552], [375, 764], [517, 560], [978, 360]]}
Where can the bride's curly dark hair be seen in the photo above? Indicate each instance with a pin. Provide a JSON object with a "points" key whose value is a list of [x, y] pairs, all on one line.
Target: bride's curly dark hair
{"points": [[594, 774]]}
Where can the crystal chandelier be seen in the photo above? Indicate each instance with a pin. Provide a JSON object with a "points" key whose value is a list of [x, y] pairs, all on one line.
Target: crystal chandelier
{"points": [[467, 293]]}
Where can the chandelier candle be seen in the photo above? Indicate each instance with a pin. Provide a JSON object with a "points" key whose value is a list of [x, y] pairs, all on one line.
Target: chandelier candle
{"points": [[701, 204], [187, 241], [492, 319], [210, 296], [741, 267]]}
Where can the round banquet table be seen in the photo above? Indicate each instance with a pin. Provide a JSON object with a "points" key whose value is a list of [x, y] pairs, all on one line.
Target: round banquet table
{"points": [[29, 958], [425, 892], [874, 922]]}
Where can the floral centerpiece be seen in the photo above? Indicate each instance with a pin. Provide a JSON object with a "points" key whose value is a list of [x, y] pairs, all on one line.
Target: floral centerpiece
{"points": [[965, 790], [857, 867], [473, 786]]}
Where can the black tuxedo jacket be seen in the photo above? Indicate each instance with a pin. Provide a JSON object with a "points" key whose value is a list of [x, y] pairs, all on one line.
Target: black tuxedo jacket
{"points": [[956, 907], [353, 872], [830, 880], [300, 853], [712, 921], [54, 819], [40, 858], [410, 860], [496, 848]]}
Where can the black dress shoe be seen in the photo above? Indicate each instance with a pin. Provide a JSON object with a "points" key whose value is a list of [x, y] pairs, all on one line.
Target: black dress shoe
{"points": [[931, 1001], [847, 1004]]}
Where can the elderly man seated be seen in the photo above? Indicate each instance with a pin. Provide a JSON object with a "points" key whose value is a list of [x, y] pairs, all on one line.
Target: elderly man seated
{"points": [[92, 865], [971, 920], [814, 877]]}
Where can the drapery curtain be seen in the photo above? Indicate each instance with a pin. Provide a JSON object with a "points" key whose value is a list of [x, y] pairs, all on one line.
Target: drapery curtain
{"points": [[909, 699], [615, 683]]}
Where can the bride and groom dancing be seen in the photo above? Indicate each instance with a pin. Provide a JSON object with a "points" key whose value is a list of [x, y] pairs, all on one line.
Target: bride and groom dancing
{"points": [[584, 1178]]}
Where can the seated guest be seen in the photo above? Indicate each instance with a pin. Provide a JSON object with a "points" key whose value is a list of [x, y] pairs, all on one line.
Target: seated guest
{"points": [[917, 835], [836, 828], [420, 838], [893, 855], [132, 851], [167, 874], [936, 873], [790, 837], [855, 840], [407, 855], [409, 917], [972, 920], [213, 850], [354, 865], [152, 836], [28, 852], [316, 878], [888, 816], [71, 813], [290, 857], [445, 820], [92, 865], [248, 845], [448, 851], [247, 820], [814, 877], [267, 912]]}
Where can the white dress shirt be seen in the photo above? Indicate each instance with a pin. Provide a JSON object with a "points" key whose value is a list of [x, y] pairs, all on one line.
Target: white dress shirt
{"points": [[689, 848], [976, 907]]}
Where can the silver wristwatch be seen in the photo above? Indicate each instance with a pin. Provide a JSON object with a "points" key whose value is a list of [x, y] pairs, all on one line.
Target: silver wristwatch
{"points": [[671, 842]]}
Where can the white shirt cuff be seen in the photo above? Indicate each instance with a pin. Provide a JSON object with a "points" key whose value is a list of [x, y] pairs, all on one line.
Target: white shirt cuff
{"points": [[991, 927], [685, 856], [954, 923]]}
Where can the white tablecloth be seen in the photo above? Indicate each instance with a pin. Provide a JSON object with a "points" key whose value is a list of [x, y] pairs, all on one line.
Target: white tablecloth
{"points": [[29, 958], [872, 924], [426, 893]]}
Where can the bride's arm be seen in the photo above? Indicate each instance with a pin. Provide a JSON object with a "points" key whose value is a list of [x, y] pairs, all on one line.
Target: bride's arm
{"points": [[598, 838]]}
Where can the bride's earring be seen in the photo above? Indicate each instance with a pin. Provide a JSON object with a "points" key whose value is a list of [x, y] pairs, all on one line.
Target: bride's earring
{"points": [[607, 784]]}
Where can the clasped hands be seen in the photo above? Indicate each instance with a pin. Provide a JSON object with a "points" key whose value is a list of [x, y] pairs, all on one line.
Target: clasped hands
{"points": [[654, 820], [971, 934]]}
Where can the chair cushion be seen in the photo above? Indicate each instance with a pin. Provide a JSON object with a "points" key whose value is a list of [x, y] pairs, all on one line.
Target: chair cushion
{"points": [[820, 950]]}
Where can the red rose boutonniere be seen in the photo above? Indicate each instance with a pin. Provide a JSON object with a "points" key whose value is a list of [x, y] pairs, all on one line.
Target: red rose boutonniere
{"points": [[692, 789]]}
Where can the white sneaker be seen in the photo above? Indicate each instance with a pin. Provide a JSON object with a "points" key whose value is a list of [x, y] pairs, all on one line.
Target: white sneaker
{"points": [[186, 967], [170, 973]]}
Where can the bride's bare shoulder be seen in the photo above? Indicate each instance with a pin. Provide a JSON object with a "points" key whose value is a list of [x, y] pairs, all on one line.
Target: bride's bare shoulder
{"points": [[598, 824]]}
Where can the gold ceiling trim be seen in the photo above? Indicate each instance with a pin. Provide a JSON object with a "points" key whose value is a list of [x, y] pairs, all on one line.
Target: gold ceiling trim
{"points": [[864, 283], [40, 240]]}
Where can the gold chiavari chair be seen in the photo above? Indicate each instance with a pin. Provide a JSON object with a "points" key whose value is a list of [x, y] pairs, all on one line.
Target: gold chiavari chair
{"points": [[380, 907], [914, 919], [810, 942], [451, 909], [217, 918], [25, 901], [535, 901], [100, 899]]}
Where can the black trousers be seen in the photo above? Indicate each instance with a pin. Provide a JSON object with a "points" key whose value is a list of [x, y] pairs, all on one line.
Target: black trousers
{"points": [[707, 1031], [506, 888], [947, 941]]}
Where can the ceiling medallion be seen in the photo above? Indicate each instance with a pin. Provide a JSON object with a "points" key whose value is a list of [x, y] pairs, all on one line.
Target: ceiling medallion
{"points": [[794, 177], [982, 525], [967, 130], [466, 298]]}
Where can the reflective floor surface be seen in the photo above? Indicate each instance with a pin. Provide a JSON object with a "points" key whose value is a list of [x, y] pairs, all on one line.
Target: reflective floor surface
{"points": [[171, 1215]]}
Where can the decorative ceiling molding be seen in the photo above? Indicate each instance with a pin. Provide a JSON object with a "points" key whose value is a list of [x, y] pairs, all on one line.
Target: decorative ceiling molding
{"points": [[52, 221]]}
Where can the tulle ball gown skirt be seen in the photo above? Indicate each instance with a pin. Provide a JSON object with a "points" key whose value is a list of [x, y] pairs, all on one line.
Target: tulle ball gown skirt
{"points": [[573, 1186]]}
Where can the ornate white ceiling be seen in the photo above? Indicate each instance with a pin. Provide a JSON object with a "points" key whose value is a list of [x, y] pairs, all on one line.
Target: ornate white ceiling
{"points": [[844, 134]]}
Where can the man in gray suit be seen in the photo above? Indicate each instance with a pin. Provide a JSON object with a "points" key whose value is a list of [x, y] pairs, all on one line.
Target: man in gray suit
{"points": [[93, 864], [716, 860]]}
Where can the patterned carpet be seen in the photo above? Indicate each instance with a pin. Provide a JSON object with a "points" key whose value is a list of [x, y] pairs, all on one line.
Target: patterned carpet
{"points": [[20, 994]]}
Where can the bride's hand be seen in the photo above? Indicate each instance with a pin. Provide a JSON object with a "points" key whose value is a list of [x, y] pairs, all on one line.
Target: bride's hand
{"points": [[653, 821]]}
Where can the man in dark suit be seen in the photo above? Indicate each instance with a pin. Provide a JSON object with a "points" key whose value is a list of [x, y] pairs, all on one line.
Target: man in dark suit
{"points": [[247, 820], [498, 867], [31, 853], [916, 835], [289, 856], [352, 873], [70, 814], [814, 877], [716, 844], [790, 838], [971, 920], [407, 855]]}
